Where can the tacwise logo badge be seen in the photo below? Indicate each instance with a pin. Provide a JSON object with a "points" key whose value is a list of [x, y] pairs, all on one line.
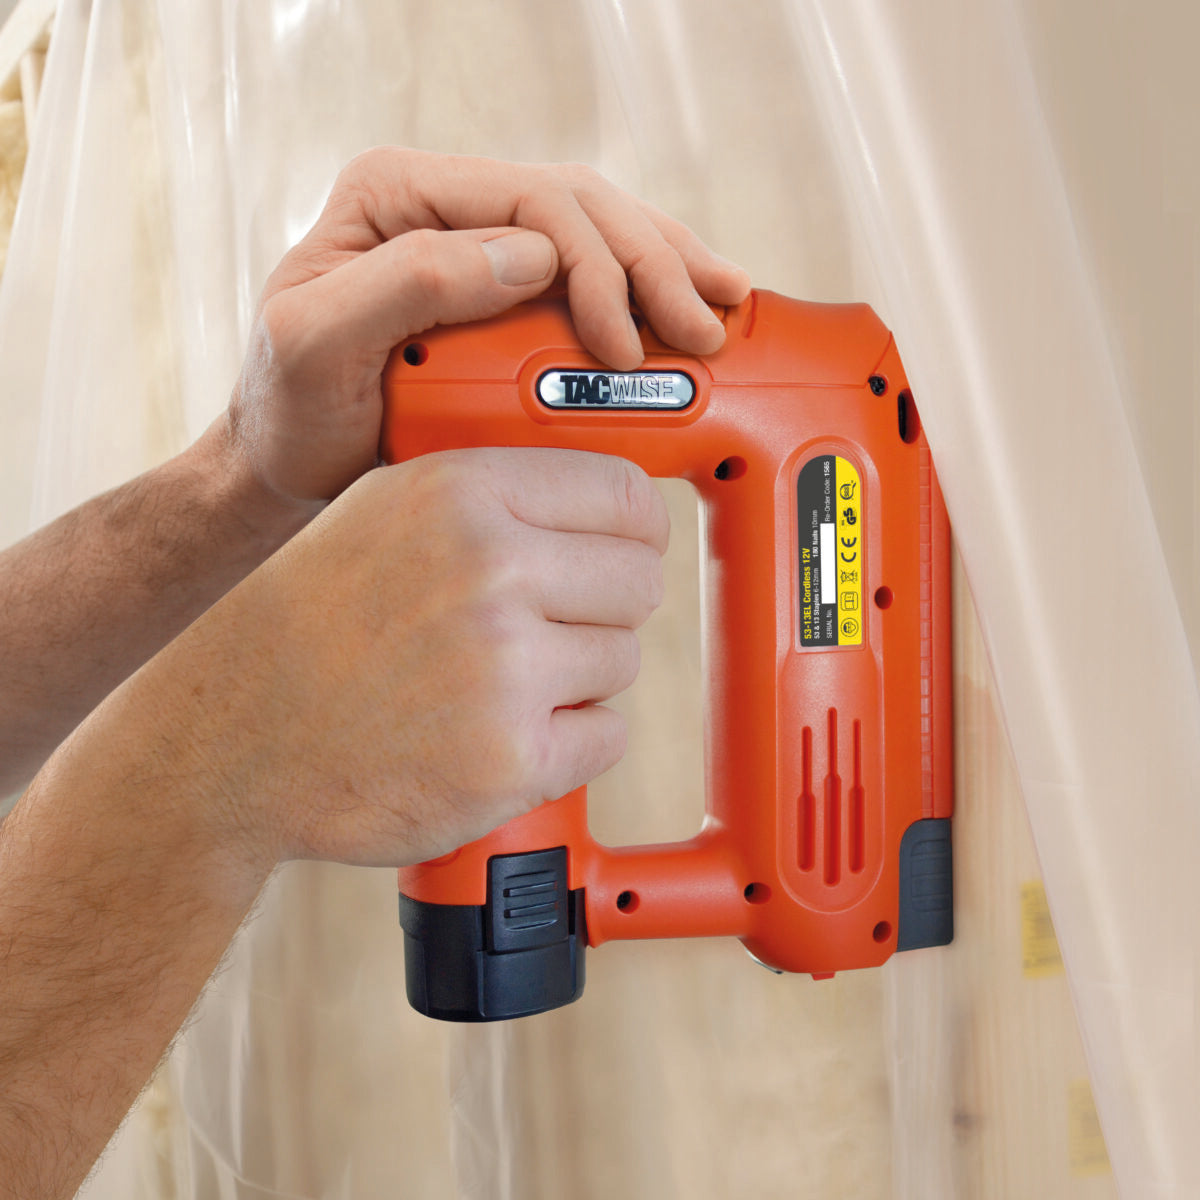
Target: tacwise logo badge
{"points": [[615, 390]]}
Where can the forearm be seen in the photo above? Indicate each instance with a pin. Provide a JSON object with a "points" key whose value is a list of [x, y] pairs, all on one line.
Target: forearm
{"points": [[86, 600], [354, 699], [122, 881]]}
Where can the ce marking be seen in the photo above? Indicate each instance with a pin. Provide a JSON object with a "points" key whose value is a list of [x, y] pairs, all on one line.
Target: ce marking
{"points": [[850, 552]]}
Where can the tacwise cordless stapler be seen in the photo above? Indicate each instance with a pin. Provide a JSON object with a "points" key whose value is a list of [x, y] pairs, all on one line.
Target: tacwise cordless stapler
{"points": [[825, 647]]}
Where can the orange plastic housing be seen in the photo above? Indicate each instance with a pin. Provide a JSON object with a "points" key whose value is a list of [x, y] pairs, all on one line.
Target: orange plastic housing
{"points": [[819, 757]]}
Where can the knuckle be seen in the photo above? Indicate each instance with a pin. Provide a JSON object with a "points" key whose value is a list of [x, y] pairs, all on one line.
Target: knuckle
{"points": [[610, 740], [432, 489], [496, 591], [370, 165], [638, 499], [354, 183], [610, 273], [629, 659], [436, 473], [423, 261], [494, 594], [366, 162], [285, 340], [617, 741], [508, 761], [654, 583], [581, 176], [652, 262], [629, 484], [637, 583], [532, 184], [498, 756], [279, 320], [455, 479], [545, 192], [476, 544]]}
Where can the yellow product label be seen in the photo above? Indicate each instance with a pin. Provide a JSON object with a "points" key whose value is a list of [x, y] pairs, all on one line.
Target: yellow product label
{"points": [[850, 614], [832, 575], [1089, 1156], [1040, 955]]}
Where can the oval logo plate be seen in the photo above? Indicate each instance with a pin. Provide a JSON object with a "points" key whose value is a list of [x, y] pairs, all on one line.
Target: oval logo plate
{"points": [[615, 390]]}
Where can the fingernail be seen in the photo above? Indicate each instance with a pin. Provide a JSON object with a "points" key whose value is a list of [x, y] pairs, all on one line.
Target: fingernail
{"points": [[710, 317], [519, 258], [743, 280]]}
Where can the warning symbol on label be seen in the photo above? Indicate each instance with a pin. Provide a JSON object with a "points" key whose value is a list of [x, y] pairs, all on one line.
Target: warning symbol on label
{"points": [[850, 555]]}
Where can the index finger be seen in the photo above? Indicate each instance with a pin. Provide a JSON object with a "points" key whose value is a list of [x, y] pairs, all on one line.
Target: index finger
{"points": [[578, 491]]}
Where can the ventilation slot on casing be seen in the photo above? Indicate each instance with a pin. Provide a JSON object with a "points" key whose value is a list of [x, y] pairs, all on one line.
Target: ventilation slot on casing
{"points": [[841, 832], [808, 806], [833, 809], [858, 813]]}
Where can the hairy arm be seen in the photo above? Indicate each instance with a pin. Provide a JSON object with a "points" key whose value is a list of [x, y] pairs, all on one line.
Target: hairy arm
{"points": [[88, 599], [118, 896]]}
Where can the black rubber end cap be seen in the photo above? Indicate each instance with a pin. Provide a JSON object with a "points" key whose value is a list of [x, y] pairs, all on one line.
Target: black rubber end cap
{"points": [[926, 886]]}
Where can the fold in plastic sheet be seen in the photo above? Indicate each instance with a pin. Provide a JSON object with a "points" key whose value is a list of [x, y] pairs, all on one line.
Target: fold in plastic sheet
{"points": [[181, 149]]}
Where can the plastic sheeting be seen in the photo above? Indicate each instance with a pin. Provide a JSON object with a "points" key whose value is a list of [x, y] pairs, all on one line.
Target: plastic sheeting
{"points": [[1016, 192], [992, 299]]}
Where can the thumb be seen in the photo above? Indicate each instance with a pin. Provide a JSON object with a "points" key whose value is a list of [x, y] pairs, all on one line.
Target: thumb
{"points": [[428, 277]]}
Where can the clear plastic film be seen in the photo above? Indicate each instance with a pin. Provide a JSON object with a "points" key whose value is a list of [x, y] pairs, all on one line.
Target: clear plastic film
{"points": [[951, 173], [949, 156]]}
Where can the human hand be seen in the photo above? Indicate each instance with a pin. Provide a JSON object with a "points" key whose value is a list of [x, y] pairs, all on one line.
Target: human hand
{"points": [[408, 240], [396, 680]]}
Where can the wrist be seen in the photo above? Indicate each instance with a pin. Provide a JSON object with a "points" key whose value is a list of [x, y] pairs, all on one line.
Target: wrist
{"points": [[169, 748], [247, 510]]}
